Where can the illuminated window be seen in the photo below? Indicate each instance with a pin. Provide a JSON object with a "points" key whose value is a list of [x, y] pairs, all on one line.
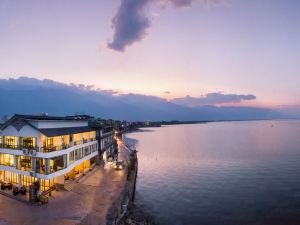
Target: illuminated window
{"points": [[71, 157], [25, 163], [57, 163], [7, 159], [28, 143], [41, 165], [11, 142]]}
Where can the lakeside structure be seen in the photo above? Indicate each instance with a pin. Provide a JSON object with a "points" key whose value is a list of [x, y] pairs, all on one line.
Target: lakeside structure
{"points": [[50, 151], [105, 133]]}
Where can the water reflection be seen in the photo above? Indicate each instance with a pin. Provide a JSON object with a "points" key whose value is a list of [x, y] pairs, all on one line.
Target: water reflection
{"points": [[221, 173]]}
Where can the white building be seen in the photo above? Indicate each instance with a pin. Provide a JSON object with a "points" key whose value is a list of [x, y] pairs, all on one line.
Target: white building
{"points": [[48, 149]]}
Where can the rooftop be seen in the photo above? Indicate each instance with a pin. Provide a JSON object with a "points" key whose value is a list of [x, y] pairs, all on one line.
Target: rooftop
{"points": [[18, 121], [46, 117]]}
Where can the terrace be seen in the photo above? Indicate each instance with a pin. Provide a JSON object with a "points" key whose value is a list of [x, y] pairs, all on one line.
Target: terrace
{"points": [[49, 144]]}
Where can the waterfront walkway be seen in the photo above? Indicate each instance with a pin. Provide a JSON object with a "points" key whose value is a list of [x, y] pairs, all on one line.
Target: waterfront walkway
{"points": [[86, 204]]}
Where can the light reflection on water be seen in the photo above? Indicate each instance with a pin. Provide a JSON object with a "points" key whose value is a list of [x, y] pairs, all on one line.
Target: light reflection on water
{"points": [[235, 173]]}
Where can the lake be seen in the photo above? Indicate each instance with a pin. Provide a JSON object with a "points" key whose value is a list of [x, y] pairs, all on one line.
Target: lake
{"points": [[222, 173]]}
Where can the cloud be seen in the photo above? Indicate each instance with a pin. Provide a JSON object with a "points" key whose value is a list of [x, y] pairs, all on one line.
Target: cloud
{"points": [[131, 22], [212, 99]]}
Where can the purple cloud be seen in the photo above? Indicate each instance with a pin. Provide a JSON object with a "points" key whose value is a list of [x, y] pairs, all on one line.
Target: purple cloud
{"points": [[131, 22], [212, 99]]}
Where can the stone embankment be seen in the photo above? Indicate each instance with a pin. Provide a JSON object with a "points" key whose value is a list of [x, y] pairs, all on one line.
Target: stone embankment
{"points": [[123, 211]]}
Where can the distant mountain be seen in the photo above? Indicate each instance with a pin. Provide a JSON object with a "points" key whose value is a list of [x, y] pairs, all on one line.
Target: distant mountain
{"points": [[30, 96]]}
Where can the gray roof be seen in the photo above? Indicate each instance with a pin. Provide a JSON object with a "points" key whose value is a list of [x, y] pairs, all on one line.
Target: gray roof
{"points": [[18, 121], [51, 132], [45, 117]]}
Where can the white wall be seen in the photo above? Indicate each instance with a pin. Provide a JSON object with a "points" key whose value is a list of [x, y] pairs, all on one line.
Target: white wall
{"points": [[57, 124], [26, 131]]}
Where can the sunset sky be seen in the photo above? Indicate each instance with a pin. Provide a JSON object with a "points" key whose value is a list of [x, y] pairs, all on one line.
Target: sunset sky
{"points": [[166, 48]]}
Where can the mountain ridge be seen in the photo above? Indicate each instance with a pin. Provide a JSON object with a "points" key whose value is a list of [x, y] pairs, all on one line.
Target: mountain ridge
{"points": [[29, 96]]}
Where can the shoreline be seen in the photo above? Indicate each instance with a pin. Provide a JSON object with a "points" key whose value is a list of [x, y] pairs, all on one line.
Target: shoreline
{"points": [[122, 206], [138, 126], [123, 210]]}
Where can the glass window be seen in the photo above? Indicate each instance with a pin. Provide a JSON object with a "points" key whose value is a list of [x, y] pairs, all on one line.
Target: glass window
{"points": [[78, 154], [71, 157], [51, 144], [41, 165], [10, 177], [11, 142], [7, 159], [25, 163], [27, 180], [28, 143], [87, 151], [65, 141], [57, 163], [46, 184]]}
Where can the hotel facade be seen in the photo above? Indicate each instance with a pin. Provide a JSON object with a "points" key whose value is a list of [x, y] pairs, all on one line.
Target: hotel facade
{"points": [[51, 150]]}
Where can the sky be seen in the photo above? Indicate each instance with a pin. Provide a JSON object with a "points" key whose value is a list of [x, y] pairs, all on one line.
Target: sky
{"points": [[166, 48]]}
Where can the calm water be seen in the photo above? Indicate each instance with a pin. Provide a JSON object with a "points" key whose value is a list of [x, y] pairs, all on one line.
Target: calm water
{"points": [[228, 173]]}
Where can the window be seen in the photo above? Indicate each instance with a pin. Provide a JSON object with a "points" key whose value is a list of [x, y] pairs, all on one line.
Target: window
{"points": [[25, 163], [27, 180], [71, 157], [78, 154], [94, 148], [49, 142], [57, 163], [87, 151], [46, 184], [65, 141], [7, 160], [10, 177], [28, 143], [41, 165], [48, 145], [11, 142]]}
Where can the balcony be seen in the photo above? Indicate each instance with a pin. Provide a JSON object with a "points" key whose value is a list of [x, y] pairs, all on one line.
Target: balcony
{"points": [[48, 149], [45, 149], [17, 147], [84, 141], [10, 164], [89, 140]]}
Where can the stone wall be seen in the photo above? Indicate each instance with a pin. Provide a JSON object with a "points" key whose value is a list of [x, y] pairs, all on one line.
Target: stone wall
{"points": [[121, 207]]}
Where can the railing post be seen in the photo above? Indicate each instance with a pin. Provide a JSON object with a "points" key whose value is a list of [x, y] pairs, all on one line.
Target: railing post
{"points": [[65, 157], [33, 164], [47, 166], [20, 143], [16, 162]]}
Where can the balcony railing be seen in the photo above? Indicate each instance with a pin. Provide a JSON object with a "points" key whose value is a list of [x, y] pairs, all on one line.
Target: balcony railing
{"points": [[7, 164], [84, 141], [17, 147], [47, 149], [65, 146]]}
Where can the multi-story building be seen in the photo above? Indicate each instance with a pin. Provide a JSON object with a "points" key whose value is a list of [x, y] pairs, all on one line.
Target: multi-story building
{"points": [[47, 149], [105, 136]]}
